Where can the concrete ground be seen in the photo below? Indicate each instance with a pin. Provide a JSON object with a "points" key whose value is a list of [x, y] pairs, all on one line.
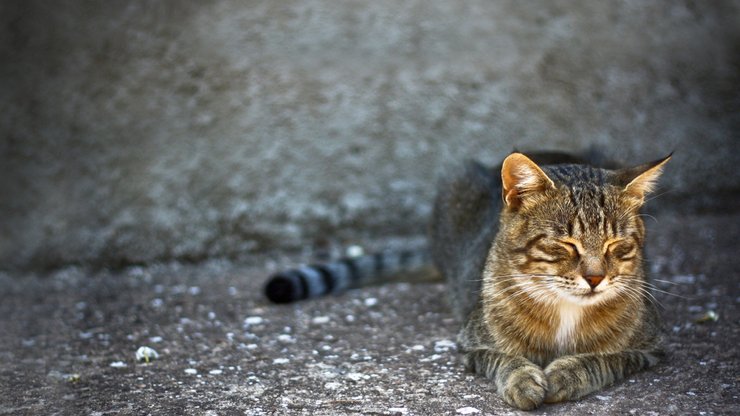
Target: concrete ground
{"points": [[69, 340]]}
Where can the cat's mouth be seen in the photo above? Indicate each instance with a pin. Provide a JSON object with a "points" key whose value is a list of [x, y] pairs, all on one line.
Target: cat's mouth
{"points": [[587, 297], [591, 294]]}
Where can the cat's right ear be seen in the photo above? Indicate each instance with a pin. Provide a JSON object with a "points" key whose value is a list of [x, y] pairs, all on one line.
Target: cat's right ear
{"points": [[641, 180], [522, 179]]}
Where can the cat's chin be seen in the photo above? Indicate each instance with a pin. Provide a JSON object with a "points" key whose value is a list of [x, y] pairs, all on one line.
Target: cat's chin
{"points": [[586, 298]]}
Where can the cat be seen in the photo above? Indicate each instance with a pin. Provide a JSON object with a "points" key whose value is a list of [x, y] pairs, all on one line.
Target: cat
{"points": [[543, 260]]}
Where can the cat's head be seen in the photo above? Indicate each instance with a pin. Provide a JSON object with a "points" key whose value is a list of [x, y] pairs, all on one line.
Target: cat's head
{"points": [[575, 229]]}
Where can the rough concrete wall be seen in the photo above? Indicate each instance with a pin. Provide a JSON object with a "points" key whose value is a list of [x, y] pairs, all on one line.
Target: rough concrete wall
{"points": [[139, 131]]}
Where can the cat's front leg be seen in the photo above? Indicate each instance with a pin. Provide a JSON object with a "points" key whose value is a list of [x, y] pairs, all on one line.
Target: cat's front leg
{"points": [[520, 382], [575, 376]]}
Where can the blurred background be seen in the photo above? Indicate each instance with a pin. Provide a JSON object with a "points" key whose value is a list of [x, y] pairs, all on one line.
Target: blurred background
{"points": [[134, 132]]}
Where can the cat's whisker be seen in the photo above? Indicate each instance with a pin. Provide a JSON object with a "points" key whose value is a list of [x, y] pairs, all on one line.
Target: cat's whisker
{"points": [[523, 289], [671, 294], [629, 292], [656, 196], [648, 216], [644, 216], [670, 282], [638, 293], [655, 288], [498, 278], [619, 282], [648, 293]]}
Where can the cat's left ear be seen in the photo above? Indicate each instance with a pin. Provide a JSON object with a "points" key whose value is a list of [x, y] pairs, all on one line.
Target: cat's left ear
{"points": [[641, 180], [522, 180]]}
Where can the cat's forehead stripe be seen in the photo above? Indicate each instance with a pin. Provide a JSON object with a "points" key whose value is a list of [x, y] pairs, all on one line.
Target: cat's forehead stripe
{"points": [[591, 204], [573, 175]]}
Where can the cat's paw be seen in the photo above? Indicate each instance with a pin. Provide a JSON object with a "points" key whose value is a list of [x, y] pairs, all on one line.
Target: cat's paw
{"points": [[564, 381], [525, 388]]}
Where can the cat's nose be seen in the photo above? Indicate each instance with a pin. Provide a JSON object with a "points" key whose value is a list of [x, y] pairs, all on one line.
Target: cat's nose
{"points": [[593, 281]]}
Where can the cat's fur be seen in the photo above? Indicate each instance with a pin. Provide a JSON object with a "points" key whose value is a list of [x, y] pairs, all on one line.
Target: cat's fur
{"points": [[544, 267]]}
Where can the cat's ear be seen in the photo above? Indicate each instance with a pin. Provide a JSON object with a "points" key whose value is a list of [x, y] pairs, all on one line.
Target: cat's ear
{"points": [[522, 179], [641, 180]]}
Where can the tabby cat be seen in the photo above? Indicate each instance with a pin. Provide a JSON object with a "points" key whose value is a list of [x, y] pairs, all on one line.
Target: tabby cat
{"points": [[544, 268]]}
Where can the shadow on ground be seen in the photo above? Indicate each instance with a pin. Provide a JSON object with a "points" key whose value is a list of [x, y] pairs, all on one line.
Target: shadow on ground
{"points": [[69, 340]]}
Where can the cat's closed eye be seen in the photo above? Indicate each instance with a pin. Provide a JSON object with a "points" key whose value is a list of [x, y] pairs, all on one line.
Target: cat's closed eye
{"points": [[622, 250], [553, 251]]}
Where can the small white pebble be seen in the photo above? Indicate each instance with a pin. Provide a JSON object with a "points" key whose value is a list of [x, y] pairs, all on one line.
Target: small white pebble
{"points": [[253, 320], [118, 364], [355, 251], [332, 385], [286, 339], [211, 315], [401, 410], [191, 371], [156, 303], [215, 372], [444, 345], [146, 354], [349, 318], [418, 348], [194, 290], [371, 302], [232, 291], [602, 398], [356, 376], [280, 361], [320, 320], [155, 340], [251, 346], [467, 410]]}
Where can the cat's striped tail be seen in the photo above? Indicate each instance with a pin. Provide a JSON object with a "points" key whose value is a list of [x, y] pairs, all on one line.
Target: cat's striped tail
{"points": [[350, 272]]}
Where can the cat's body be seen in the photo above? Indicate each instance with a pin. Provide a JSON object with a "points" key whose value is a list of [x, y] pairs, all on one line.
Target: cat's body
{"points": [[544, 268]]}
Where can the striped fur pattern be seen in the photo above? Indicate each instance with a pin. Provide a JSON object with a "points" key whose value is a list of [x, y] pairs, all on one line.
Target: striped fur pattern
{"points": [[563, 306], [350, 272]]}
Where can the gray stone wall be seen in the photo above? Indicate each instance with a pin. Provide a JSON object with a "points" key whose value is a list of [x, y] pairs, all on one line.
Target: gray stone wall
{"points": [[139, 131]]}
